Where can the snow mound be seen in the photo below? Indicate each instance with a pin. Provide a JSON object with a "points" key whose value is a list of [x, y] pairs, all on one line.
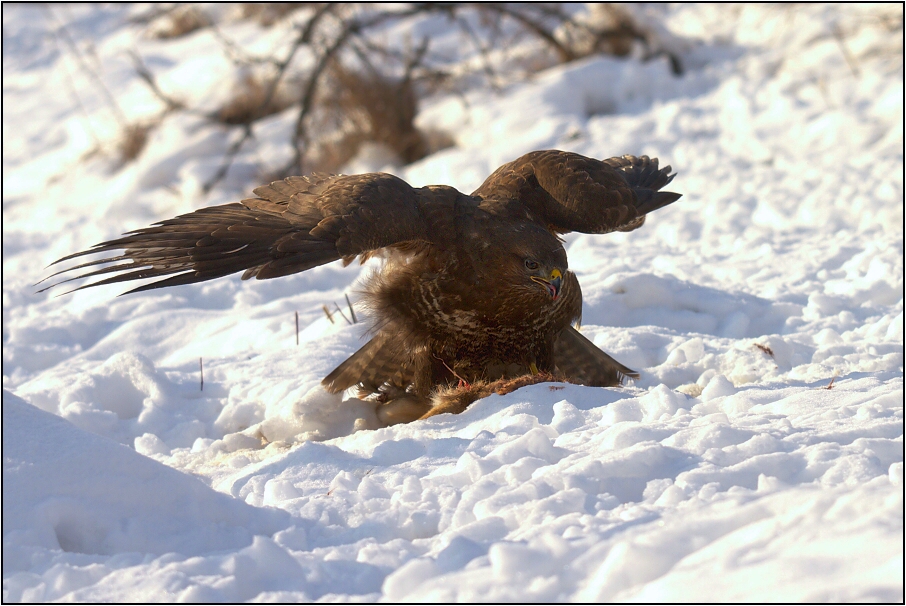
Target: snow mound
{"points": [[758, 458], [69, 490]]}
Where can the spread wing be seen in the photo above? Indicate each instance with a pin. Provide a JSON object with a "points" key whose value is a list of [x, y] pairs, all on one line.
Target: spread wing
{"points": [[292, 225], [580, 361], [384, 359], [569, 192]]}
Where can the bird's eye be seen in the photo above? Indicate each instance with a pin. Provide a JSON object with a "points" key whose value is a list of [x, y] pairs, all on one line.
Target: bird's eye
{"points": [[533, 265]]}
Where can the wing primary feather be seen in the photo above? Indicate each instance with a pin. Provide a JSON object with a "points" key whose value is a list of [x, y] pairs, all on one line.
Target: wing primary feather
{"points": [[295, 224], [583, 362], [80, 266], [97, 272]]}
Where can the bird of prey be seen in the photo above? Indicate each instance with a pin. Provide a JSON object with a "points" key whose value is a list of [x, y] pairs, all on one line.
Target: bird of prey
{"points": [[474, 288]]}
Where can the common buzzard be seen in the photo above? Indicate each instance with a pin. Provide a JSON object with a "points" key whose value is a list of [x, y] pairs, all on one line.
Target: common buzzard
{"points": [[474, 288]]}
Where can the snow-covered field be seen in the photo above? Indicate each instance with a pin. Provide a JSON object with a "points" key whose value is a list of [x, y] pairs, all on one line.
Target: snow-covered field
{"points": [[759, 458]]}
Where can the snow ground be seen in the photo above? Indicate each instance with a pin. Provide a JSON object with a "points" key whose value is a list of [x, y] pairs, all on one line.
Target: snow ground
{"points": [[759, 458]]}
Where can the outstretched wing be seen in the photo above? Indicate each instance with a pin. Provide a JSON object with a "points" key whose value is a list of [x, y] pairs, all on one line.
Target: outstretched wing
{"points": [[384, 359], [293, 225], [569, 192], [580, 361]]}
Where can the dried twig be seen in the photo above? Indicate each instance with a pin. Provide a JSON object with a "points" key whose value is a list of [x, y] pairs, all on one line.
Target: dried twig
{"points": [[201, 372], [281, 66], [328, 314], [483, 51], [75, 93], [236, 52], [145, 74], [335, 32], [565, 54], [850, 60], [765, 349], [70, 42], [351, 310], [350, 28], [341, 313], [228, 159]]}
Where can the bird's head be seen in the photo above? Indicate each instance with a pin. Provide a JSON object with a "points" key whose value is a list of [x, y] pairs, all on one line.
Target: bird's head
{"points": [[551, 280], [534, 263]]}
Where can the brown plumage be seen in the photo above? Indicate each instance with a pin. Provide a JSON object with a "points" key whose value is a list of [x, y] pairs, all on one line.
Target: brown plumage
{"points": [[474, 289]]}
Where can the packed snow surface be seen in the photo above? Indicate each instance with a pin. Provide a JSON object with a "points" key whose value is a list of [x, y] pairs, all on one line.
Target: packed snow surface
{"points": [[759, 458]]}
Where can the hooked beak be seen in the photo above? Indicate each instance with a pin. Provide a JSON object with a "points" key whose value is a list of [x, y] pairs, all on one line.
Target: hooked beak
{"points": [[552, 284]]}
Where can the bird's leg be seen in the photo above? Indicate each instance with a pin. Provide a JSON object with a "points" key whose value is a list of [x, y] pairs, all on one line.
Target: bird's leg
{"points": [[462, 382]]}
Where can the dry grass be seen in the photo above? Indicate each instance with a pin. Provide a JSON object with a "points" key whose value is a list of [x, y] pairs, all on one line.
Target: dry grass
{"points": [[341, 107], [611, 29], [382, 110], [614, 32], [250, 102], [132, 142], [268, 13], [178, 22], [370, 107]]}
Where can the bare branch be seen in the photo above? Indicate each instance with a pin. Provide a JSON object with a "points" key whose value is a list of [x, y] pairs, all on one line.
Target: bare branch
{"points": [[303, 39], [67, 38], [228, 159], [358, 87], [145, 74], [511, 11]]}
